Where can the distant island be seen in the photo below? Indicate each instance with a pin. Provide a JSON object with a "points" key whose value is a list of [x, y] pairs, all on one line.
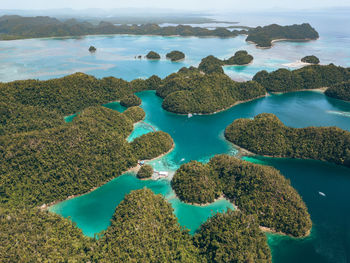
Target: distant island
{"points": [[240, 58], [270, 197], [267, 135], [18, 27], [92, 49], [311, 60], [153, 55], [263, 37], [175, 55]]}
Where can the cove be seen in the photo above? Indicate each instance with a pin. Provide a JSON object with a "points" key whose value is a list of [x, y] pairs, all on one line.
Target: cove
{"points": [[92, 212], [201, 137]]}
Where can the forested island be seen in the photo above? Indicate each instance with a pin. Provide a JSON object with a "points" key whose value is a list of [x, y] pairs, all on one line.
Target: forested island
{"points": [[240, 58], [17, 27], [267, 135], [255, 189], [193, 92], [307, 78], [264, 36], [92, 49], [311, 60], [153, 55], [211, 64], [175, 55]]}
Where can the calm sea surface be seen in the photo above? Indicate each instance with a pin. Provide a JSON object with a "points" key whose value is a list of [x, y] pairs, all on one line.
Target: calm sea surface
{"points": [[201, 137]]}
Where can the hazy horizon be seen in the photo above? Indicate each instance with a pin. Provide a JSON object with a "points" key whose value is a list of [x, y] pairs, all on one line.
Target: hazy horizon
{"points": [[179, 5]]}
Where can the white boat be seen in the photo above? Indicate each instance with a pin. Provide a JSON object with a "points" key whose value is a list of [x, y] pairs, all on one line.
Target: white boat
{"points": [[189, 115], [321, 193]]}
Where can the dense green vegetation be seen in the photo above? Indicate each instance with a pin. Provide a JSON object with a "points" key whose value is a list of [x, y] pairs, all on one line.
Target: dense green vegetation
{"points": [[267, 135], [23, 118], [309, 77], [66, 95], [241, 57], [48, 165], [151, 145], [32, 235], [256, 190], [16, 27], [194, 183], [232, 237], [130, 101], [191, 92], [135, 113], [311, 60], [211, 64], [144, 229], [152, 55], [92, 49], [263, 36], [175, 55], [339, 91], [146, 171]]}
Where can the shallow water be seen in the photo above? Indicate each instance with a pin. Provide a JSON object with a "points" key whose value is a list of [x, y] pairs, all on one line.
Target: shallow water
{"points": [[115, 56]]}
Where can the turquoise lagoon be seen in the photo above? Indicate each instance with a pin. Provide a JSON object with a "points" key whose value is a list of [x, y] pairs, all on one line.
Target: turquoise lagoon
{"points": [[201, 137]]}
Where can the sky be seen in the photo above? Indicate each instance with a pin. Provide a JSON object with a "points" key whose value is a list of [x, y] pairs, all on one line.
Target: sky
{"points": [[173, 4]]}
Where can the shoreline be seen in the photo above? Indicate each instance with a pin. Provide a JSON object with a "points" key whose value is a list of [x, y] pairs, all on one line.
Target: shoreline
{"points": [[224, 109], [282, 40], [237, 65], [320, 90], [236, 208], [272, 231], [132, 169], [296, 64]]}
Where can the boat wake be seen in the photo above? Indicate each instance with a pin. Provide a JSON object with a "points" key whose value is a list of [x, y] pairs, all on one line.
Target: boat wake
{"points": [[341, 113]]}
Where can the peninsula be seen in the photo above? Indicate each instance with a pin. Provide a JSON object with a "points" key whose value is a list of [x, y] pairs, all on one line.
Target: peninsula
{"points": [[267, 135], [307, 78], [263, 37]]}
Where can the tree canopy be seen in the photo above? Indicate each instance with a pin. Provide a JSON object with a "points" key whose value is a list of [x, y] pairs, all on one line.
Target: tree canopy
{"points": [[146, 171], [153, 55], [309, 77], [267, 135], [130, 101], [175, 55], [255, 189], [232, 237], [263, 36], [144, 229], [339, 91], [311, 59]]}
